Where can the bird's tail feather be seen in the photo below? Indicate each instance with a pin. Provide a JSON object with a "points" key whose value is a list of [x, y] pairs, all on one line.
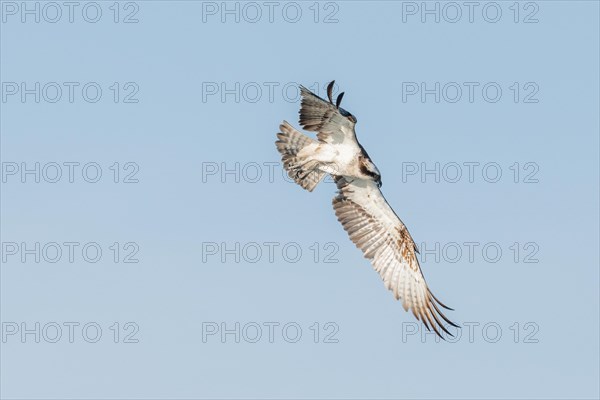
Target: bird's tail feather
{"points": [[303, 171]]}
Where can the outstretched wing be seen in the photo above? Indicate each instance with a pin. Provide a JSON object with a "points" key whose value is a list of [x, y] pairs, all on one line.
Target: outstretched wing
{"points": [[376, 229], [333, 123]]}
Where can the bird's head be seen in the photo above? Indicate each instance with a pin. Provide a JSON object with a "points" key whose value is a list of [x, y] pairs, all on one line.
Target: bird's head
{"points": [[368, 168]]}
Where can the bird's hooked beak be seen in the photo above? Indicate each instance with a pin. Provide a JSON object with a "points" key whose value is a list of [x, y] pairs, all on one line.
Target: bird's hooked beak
{"points": [[368, 168], [377, 174]]}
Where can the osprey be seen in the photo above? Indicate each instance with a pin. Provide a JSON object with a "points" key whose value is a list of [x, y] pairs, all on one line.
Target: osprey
{"points": [[359, 205]]}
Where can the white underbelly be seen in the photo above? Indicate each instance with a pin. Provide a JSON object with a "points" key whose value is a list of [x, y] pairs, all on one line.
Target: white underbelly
{"points": [[338, 159]]}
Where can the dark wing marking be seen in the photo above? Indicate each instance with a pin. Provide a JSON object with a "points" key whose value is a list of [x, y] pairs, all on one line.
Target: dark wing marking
{"points": [[333, 124], [378, 232]]}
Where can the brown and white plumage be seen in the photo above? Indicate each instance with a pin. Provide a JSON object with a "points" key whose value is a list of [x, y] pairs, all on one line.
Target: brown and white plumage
{"points": [[289, 144], [332, 123], [384, 239], [360, 206]]}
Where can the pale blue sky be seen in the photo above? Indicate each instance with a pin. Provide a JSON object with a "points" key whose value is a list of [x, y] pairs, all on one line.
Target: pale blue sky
{"points": [[180, 135]]}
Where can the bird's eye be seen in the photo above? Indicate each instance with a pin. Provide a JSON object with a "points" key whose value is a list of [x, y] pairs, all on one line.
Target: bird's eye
{"points": [[351, 118]]}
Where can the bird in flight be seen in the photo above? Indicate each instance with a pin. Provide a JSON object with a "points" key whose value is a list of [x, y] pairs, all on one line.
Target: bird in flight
{"points": [[364, 213]]}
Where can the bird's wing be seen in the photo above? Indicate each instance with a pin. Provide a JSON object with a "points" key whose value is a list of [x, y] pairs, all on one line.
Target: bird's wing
{"points": [[333, 124], [376, 229]]}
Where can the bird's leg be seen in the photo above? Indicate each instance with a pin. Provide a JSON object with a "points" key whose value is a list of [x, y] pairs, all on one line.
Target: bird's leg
{"points": [[304, 168], [308, 164]]}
